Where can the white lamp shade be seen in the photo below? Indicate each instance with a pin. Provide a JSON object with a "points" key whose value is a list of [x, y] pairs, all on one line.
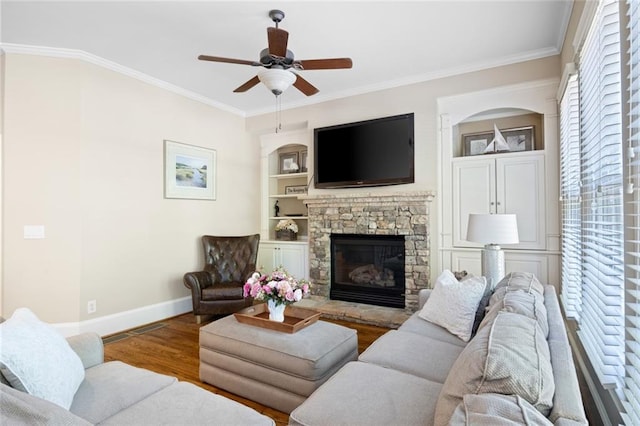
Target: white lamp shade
{"points": [[493, 228], [277, 80]]}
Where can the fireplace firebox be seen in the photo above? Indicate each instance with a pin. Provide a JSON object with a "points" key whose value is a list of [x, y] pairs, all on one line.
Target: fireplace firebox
{"points": [[368, 269]]}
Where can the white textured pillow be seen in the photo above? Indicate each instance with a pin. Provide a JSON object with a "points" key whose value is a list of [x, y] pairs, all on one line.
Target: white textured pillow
{"points": [[36, 359], [453, 304]]}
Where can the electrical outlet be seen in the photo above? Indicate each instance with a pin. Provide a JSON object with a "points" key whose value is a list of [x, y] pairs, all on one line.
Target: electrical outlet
{"points": [[91, 307]]}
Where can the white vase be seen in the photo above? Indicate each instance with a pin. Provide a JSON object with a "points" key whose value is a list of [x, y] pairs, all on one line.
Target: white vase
{"points": [[276, 312]]}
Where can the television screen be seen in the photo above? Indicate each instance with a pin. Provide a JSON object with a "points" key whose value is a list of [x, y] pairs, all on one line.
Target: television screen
{"points": [[367, 153]]}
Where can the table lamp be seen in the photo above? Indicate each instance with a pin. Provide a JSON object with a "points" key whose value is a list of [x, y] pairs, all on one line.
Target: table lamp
{"points": [[493, 230]]}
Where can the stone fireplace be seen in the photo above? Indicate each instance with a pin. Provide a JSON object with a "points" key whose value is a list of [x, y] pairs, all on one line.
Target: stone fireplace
{"points": [[368, 269], [399, 214]]}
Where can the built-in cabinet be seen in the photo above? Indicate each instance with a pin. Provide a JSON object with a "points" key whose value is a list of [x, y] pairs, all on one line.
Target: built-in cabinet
{"points": [[281, 198], [524, 183], [293, 256], [501, 183]]}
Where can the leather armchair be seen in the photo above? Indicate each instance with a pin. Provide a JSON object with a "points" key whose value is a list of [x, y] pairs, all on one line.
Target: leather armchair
{"points": [[228, 262]]}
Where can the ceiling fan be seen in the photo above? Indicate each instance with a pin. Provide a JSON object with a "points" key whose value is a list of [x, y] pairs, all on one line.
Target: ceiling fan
{"points": [[279, 62]]}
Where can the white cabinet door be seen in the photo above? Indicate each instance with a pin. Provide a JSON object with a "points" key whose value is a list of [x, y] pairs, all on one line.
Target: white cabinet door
{"points": [[292, 256], [520, 191], [506, 184], [474, 191]]}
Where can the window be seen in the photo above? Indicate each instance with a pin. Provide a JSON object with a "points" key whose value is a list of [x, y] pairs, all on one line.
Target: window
{"points": [[600, 180], [631, 401]]}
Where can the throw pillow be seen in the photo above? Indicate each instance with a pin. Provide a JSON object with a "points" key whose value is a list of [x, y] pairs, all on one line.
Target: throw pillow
{"points": [[453, 303], [510, 356], [492, 409], [37, 360]]}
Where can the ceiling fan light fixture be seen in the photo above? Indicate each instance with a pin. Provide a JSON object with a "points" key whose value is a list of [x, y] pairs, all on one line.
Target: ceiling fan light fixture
{"points": [[277, 80]]}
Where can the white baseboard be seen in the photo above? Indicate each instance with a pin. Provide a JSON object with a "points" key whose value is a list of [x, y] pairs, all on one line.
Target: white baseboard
{"points": [[110, 324]]}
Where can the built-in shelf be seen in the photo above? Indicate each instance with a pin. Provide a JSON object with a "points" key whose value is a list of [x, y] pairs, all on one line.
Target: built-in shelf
{"points": [[289, 217]]}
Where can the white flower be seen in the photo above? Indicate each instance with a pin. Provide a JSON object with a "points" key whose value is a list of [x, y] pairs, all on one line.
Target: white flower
{"points": [[297, 295], [287, 224]]}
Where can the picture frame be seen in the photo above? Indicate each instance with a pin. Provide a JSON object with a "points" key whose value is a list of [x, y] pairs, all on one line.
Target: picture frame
{"points": [[189, 171], [303, 161], [289, 163], [295, 189], [520, 138], [476, 143]]}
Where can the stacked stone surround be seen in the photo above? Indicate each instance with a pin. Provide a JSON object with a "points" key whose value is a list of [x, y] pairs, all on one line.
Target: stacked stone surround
{"points": [[371, 214]]}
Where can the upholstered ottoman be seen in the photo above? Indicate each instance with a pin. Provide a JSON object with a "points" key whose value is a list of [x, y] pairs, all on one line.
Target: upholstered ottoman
{"points": [[276, 369]]}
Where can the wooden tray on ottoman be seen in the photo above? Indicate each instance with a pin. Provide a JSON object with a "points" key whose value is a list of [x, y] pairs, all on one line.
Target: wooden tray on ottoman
{"points": [[295, 319]]}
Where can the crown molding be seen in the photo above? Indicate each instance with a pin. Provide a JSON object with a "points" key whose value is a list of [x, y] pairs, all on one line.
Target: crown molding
{"points": [[419, 78], [56, 52]]}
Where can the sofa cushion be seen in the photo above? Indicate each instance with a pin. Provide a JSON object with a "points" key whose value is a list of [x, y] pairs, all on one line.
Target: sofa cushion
{"points": [[113, 386], [509, 356], [20, 408], [184, 403], [492, 409], [453, 303], [367, 394], [36, 359], [417, 325], [414, 354], [523, 303]]}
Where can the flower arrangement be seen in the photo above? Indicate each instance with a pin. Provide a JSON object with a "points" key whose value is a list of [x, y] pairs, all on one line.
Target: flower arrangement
{"points": [[287, 225], [279, 287]]}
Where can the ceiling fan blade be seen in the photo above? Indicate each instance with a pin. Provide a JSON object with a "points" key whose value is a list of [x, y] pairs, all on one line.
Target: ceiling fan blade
{"points": [[277, 41], [248, 85], [304, 86], [228, 60], [325, 64]]}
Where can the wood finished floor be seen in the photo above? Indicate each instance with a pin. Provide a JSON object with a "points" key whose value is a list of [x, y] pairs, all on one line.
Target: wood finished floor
{"points": [[171, 347]]}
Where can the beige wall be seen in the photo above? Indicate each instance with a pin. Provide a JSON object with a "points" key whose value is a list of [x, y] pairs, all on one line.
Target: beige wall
{"points": [[83, 156], [420, 98]]}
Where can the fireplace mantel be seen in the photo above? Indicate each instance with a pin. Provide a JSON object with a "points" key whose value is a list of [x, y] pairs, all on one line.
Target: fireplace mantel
{"points": [[397, 213]]}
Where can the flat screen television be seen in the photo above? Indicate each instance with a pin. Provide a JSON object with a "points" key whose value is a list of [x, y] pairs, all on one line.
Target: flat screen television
{"points": [[366, 153]]}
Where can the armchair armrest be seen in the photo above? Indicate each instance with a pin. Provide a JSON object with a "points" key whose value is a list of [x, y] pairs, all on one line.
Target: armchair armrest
{"points": [[89, 348], [196, 281]]}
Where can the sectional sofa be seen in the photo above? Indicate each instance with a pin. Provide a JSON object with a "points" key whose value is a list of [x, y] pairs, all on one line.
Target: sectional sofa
{"points": [[516, 369], [68, 383]]}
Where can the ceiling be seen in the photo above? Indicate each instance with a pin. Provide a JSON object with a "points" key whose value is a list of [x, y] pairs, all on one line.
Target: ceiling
{"points": [[391, 43]]}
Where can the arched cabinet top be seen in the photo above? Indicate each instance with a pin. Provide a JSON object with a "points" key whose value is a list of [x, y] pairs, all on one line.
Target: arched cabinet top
{"points": [[531, 97]]}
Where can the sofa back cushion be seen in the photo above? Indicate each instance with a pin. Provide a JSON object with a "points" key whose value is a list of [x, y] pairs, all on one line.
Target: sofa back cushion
{"points": [[513, 281], [528, 304], [492, 409], [508, 356]]}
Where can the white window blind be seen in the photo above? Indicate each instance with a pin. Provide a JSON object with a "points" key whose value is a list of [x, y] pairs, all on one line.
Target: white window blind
{"points": [[570, 197], [631, 402], [601, 321]]}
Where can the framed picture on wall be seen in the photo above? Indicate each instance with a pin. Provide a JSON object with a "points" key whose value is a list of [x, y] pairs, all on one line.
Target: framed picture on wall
{"points": [[189, 171], [519, 139], [476, 143]]}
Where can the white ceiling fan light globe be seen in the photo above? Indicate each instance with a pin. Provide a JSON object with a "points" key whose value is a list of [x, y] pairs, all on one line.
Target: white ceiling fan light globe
{"points": [[277, 80]]}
